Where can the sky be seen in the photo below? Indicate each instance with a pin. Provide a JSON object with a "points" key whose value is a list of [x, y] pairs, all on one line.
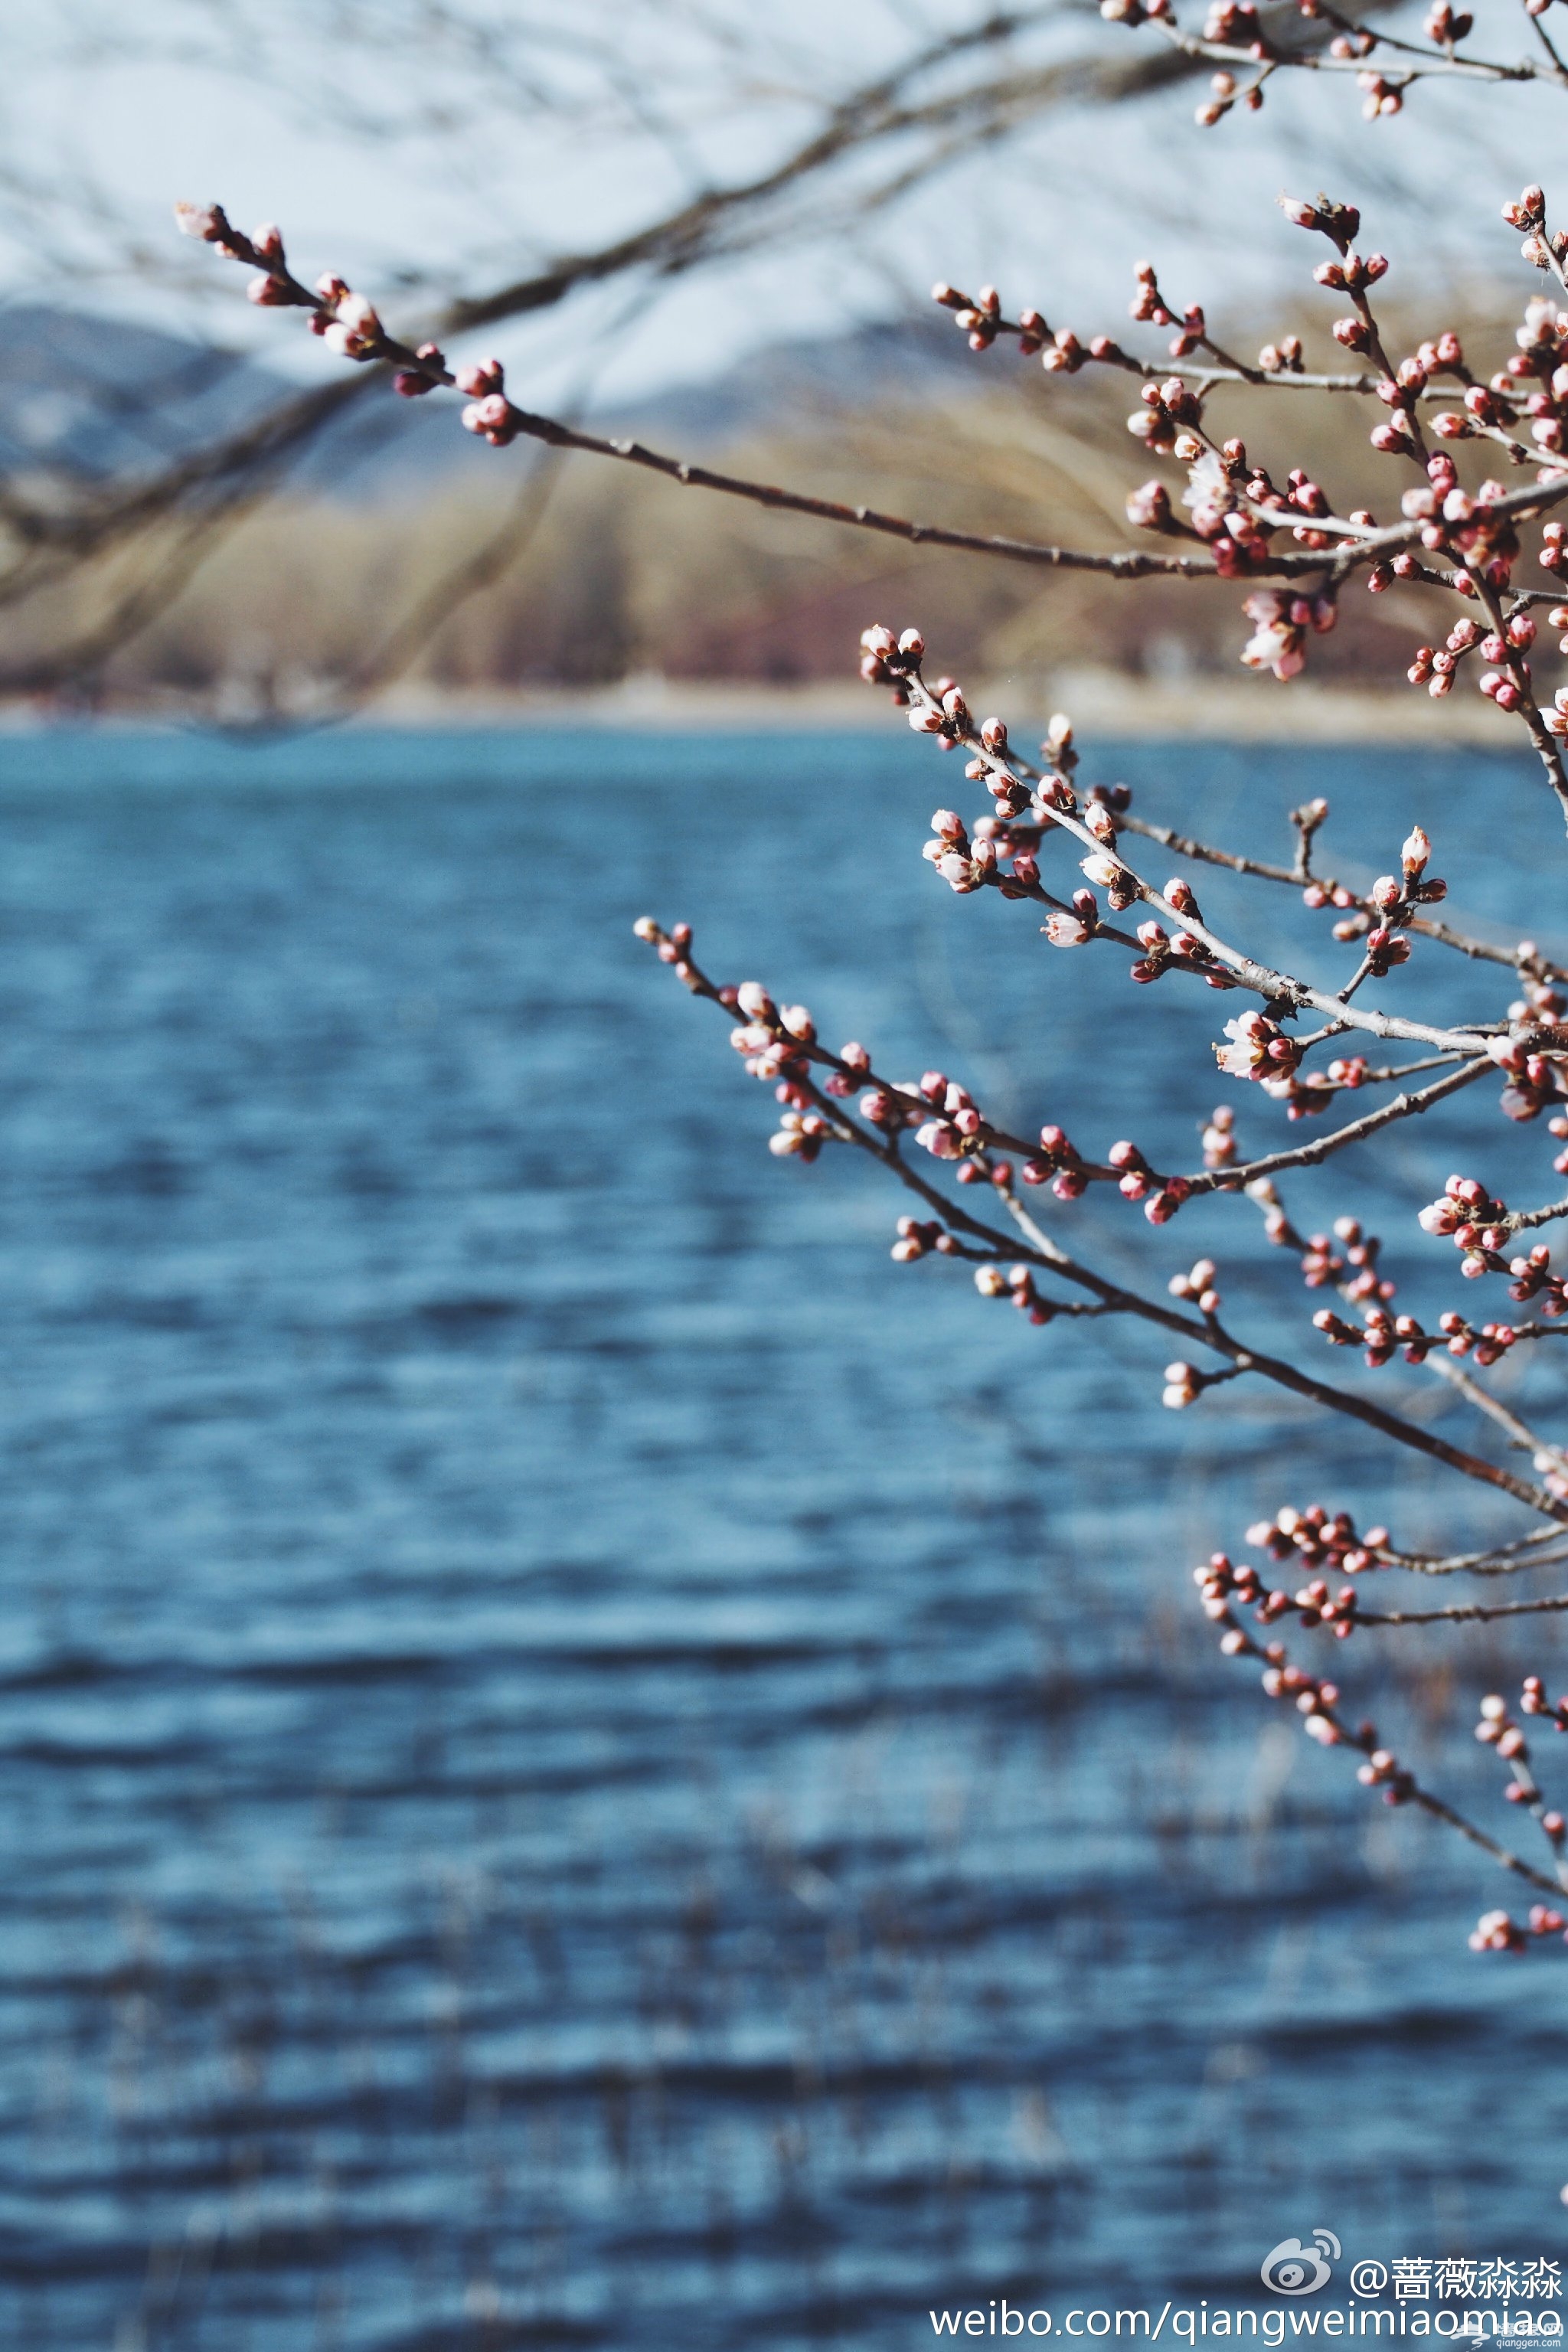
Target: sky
{"points": [[423, 146]]}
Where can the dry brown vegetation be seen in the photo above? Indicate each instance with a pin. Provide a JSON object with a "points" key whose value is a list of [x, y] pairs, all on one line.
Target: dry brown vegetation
{"points": [[591, 573]]}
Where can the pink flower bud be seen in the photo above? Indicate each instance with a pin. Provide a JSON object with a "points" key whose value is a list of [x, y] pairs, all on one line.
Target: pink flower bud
{"points": [[203, 220]]}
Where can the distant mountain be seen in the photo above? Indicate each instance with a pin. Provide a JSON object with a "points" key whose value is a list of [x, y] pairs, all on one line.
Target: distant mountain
{"points": [[774, 388], [90, 399]]}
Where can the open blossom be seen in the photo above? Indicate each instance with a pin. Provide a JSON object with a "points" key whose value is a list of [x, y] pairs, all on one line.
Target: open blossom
{"points": [[1065, 931], [1279, 640], [1257, 1048]]}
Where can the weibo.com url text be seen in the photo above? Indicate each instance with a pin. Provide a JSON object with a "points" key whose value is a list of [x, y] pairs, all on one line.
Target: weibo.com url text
{"points": [[1188, 2323]]}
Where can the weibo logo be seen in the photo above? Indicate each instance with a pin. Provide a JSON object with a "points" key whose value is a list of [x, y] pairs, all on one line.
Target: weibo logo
{"points": [[1292, 2268]]}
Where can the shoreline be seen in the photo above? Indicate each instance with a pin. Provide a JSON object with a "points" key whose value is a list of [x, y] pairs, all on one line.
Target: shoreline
{"points": [[1100, 702]]}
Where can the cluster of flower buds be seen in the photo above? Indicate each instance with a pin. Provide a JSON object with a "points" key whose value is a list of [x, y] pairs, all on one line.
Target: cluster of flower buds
{"points": [[273, 286], [1385, 1334], [1220, 1580], [1533, 1278], [799, 1133], [1541, 1001], [1446, 24], [1175, 950], [263, 249], [1534, 1079], [1166, 419], [1219, 1140], [1305, 1094], [1074, 926], [1534, 1701], [1107, 873], [1258, 1048], [1465, 1214], [1234, 25], [488, 413], [1559, 1128], [770, 1041], [979, 317], [1475, 528], [1280, 622], [954, 1123], [1528, 210], [1226, 91], [1183, 1385], [1495, 1931], [1509, 396], [1384, 1771], [854, 1058], [887, 659], [1478, 1226], [944, 1118], [1321, 1538], [1164, 950], [1314, 1697], [1363, 1282], [1198, 1284], [1133, 12], [1320, 1262], [1223, 498], [1379, 95], [1149, 306], [892, 1108], [1162, 1195], [1354, 273], [1411, 378], [1394, 898], [1057, 1163], [1016, 1284], [1436, 666], [1221, 1584], [1340, 224], [918, 1239], [674, 946], [412, 384], [1358, 1277], [965, 865], [346, 322], [1284, 358], [1277, 1228], [1016, 844], [1497, 1729], [1384, 949]]}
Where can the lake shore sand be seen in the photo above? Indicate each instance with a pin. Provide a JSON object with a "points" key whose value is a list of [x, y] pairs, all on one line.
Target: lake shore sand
{"points": [[1249, 710], [1101, 703]]}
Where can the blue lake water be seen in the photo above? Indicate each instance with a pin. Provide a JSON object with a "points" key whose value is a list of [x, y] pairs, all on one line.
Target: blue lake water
{"points": [[587, 1761]]}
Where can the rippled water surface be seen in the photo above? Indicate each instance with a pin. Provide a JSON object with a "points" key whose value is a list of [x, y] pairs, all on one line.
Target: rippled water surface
{"points": [[587, 1761]]}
